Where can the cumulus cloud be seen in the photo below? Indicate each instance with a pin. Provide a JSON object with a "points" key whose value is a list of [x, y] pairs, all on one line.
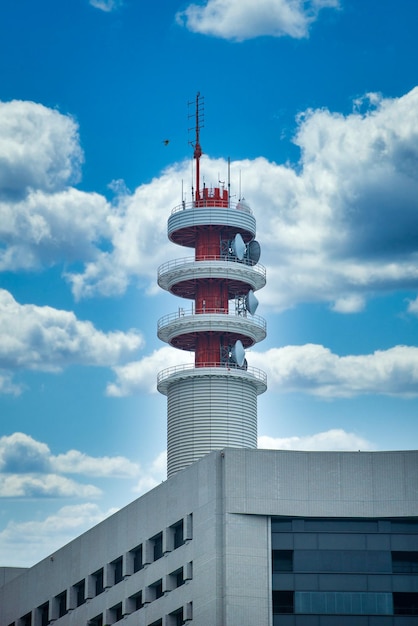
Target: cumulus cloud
{"points": [[338, 227], [44, 486], [315, 369], [24, 543], [139, 376], [48, 339], [21, 454], [245, 19], [39, 149], [334, 439]]}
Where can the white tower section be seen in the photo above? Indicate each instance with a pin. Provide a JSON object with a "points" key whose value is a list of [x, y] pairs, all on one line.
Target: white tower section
{"points": [[213, 403]]}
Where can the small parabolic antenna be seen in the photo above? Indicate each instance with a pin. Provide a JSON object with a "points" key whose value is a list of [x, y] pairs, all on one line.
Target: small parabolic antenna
{"points": [[238, 247], [251, 302], [238, 353], [254, 251]]}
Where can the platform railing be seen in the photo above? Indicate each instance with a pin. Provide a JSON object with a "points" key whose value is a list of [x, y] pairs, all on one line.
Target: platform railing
{"points": [[254, 372], [183, 261]]}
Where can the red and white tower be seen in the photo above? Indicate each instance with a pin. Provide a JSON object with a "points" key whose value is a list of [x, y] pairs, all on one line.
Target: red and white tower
{"points": [[212, 404]]}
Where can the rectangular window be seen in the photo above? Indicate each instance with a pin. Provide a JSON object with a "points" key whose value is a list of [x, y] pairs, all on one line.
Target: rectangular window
{"points": [[157, 546], [178, 531], [62, 603], [137, 556], [117, 570], [159, 622], [116, 612], [343, 603], [283, 602], [80, 591], [282, 561], [96, 621], [43, 614], [176, 618], [156, 589], [98, 582], [136, 601], [405, 562], [405, 603]]}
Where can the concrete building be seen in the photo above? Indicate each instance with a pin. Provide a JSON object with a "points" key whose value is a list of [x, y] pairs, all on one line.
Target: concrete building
{"points": [[236, 536], [243, 537]]}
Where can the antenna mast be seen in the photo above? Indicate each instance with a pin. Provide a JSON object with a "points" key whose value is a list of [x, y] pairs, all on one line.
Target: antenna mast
{"points": [[199, 118]]}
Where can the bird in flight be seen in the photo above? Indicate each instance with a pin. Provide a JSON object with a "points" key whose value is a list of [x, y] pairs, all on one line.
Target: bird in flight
{"points": [[166, 142]]}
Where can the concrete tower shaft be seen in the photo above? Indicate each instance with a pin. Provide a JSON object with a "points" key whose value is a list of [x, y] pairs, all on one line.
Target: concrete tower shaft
{"points": [[212, 404]]}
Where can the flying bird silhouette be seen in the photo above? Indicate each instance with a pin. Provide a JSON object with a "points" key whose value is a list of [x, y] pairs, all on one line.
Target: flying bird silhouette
{"points": [[166, 142]]}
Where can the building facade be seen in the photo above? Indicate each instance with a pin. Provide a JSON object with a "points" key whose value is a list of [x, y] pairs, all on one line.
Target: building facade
{"points": [[243, 537]]}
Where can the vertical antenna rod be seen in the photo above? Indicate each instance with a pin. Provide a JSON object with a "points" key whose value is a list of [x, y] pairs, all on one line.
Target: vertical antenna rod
{"points": [[197, 147]]}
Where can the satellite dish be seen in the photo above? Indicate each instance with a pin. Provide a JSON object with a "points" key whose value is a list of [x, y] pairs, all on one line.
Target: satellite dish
{"points": [[254, 251], [238, 247], [238, 353], [251, 302]]}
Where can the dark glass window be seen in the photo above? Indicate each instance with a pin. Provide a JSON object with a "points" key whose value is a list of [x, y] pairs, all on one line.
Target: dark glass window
{"points": [[176, 618], [116, 612], [282, 560], [138, 562], [283, 602], [177, 578], [405, 562], [281, 524], [178, 534], [157, 542], [157, 589], [80, 590], [96, 621], [98, 582], [117, 570], [44, 614], [62, 603], [159, 622], [26, 620], [405, 603], [137, 601]]}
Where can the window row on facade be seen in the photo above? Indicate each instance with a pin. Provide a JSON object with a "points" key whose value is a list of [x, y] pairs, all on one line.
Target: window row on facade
{"points": [[112, 573], [348, 561], [345, 525], [178, 617], [344, 603]]}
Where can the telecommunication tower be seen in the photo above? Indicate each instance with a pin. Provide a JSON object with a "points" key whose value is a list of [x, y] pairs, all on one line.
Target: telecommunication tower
{"points": [[212, 404]]}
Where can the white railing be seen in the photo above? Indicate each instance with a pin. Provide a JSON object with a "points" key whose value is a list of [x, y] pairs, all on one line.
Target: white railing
{"points": [[254, 372], [166, 320], [175, 263], [212, 201]]}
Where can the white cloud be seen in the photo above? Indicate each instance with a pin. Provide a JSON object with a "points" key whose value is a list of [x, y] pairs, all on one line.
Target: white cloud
{"points": [[44, 486], [39, 149], [334, 439], [245, 19], [29, 469], [413, 306], [154, 475], [76, 462], [24, 543], [349, 304], [314, 369], [47, 339], [337, 228], [21, 453], [106, 5], [140, 376]]}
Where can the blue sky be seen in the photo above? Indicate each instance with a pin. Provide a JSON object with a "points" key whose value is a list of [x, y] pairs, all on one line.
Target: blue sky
{"points": [[316, 104]]}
